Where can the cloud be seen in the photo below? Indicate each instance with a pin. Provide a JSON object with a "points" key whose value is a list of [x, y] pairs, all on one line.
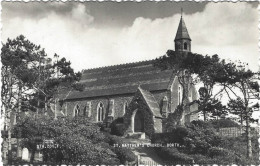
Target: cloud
{"points": [[227, 29], [81, 15]]}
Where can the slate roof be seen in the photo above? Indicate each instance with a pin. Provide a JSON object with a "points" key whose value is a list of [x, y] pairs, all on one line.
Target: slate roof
{"points": [[151, 102], [122, 79], [182, 32]]}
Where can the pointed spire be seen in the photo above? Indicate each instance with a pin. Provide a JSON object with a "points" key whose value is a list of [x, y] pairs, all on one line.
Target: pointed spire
{"points": [[182, 32]]}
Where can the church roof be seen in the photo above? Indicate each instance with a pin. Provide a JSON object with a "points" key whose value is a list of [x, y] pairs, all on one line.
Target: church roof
{"points": [[151, 102], [122, 79], [182, 32]]}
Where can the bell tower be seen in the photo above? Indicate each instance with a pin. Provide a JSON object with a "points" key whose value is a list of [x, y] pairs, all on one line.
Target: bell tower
{"points": [[182, 39]]}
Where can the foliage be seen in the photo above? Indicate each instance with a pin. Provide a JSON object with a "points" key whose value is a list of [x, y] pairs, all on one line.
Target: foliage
{"points": [[221, 123], [233, 79], [174, 119], [30, 80], [200, 142], [163, 138], [202, 124], [124, 154], [240, 83], [118, 127], [237, 107], [19, 72], [79, 140], [208, 105], [206, 69], [172, 154], [217, 151]]}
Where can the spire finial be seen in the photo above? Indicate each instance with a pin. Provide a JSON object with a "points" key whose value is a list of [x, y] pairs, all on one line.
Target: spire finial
{"points": [[181, 11]]}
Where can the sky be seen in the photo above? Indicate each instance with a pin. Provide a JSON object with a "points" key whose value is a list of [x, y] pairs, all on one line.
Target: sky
{"points": [[96, 34]]}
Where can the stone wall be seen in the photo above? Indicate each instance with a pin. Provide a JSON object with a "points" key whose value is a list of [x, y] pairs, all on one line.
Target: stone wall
{"points": [[119, 102]]}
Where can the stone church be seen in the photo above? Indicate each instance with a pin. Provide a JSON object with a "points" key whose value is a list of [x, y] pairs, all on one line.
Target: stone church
{"points": [[139, 92]]}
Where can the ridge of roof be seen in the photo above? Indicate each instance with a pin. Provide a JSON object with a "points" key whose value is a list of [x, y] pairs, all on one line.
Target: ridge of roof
{"points": [[118, 65], [145, 93]]}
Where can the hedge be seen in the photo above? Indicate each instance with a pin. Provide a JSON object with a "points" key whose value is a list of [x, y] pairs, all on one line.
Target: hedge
{"points": [[176, 136], [172, 154], [118, 127], [222, 123], [217, 151]]}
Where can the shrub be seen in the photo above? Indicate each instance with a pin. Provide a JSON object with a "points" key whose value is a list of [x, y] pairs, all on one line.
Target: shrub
{"points": [[176, 136], [201, 159], [201, 124], [123, 154], [221, 123], [172, 154], [217, 151], [100, 125], [118, 127], [162, 138], [114, 140], [79, 140]]}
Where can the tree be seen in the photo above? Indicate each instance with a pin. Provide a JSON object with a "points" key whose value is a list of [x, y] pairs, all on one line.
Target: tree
{"points": [[191, 68], [236, 107], [78, 140], [53, 79], [19, 74], [30, 80], [28, 74], [240, 85], [210, 105]]}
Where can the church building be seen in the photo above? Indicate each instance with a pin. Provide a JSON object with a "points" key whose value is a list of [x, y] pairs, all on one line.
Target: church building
{"points": [[139, 92]]}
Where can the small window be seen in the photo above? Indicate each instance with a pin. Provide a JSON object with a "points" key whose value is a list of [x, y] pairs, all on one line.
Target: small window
{"points": [[179, 95], [77, 111], [185, 46], [85, 111], [125, 108], [101, 112]]}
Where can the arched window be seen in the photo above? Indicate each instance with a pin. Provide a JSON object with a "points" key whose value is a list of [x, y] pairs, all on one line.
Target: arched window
{"points": [[77, 111], [164, 109], [100, 112], [85, 111], [185, 46], [179, 95], [125, 108]]}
